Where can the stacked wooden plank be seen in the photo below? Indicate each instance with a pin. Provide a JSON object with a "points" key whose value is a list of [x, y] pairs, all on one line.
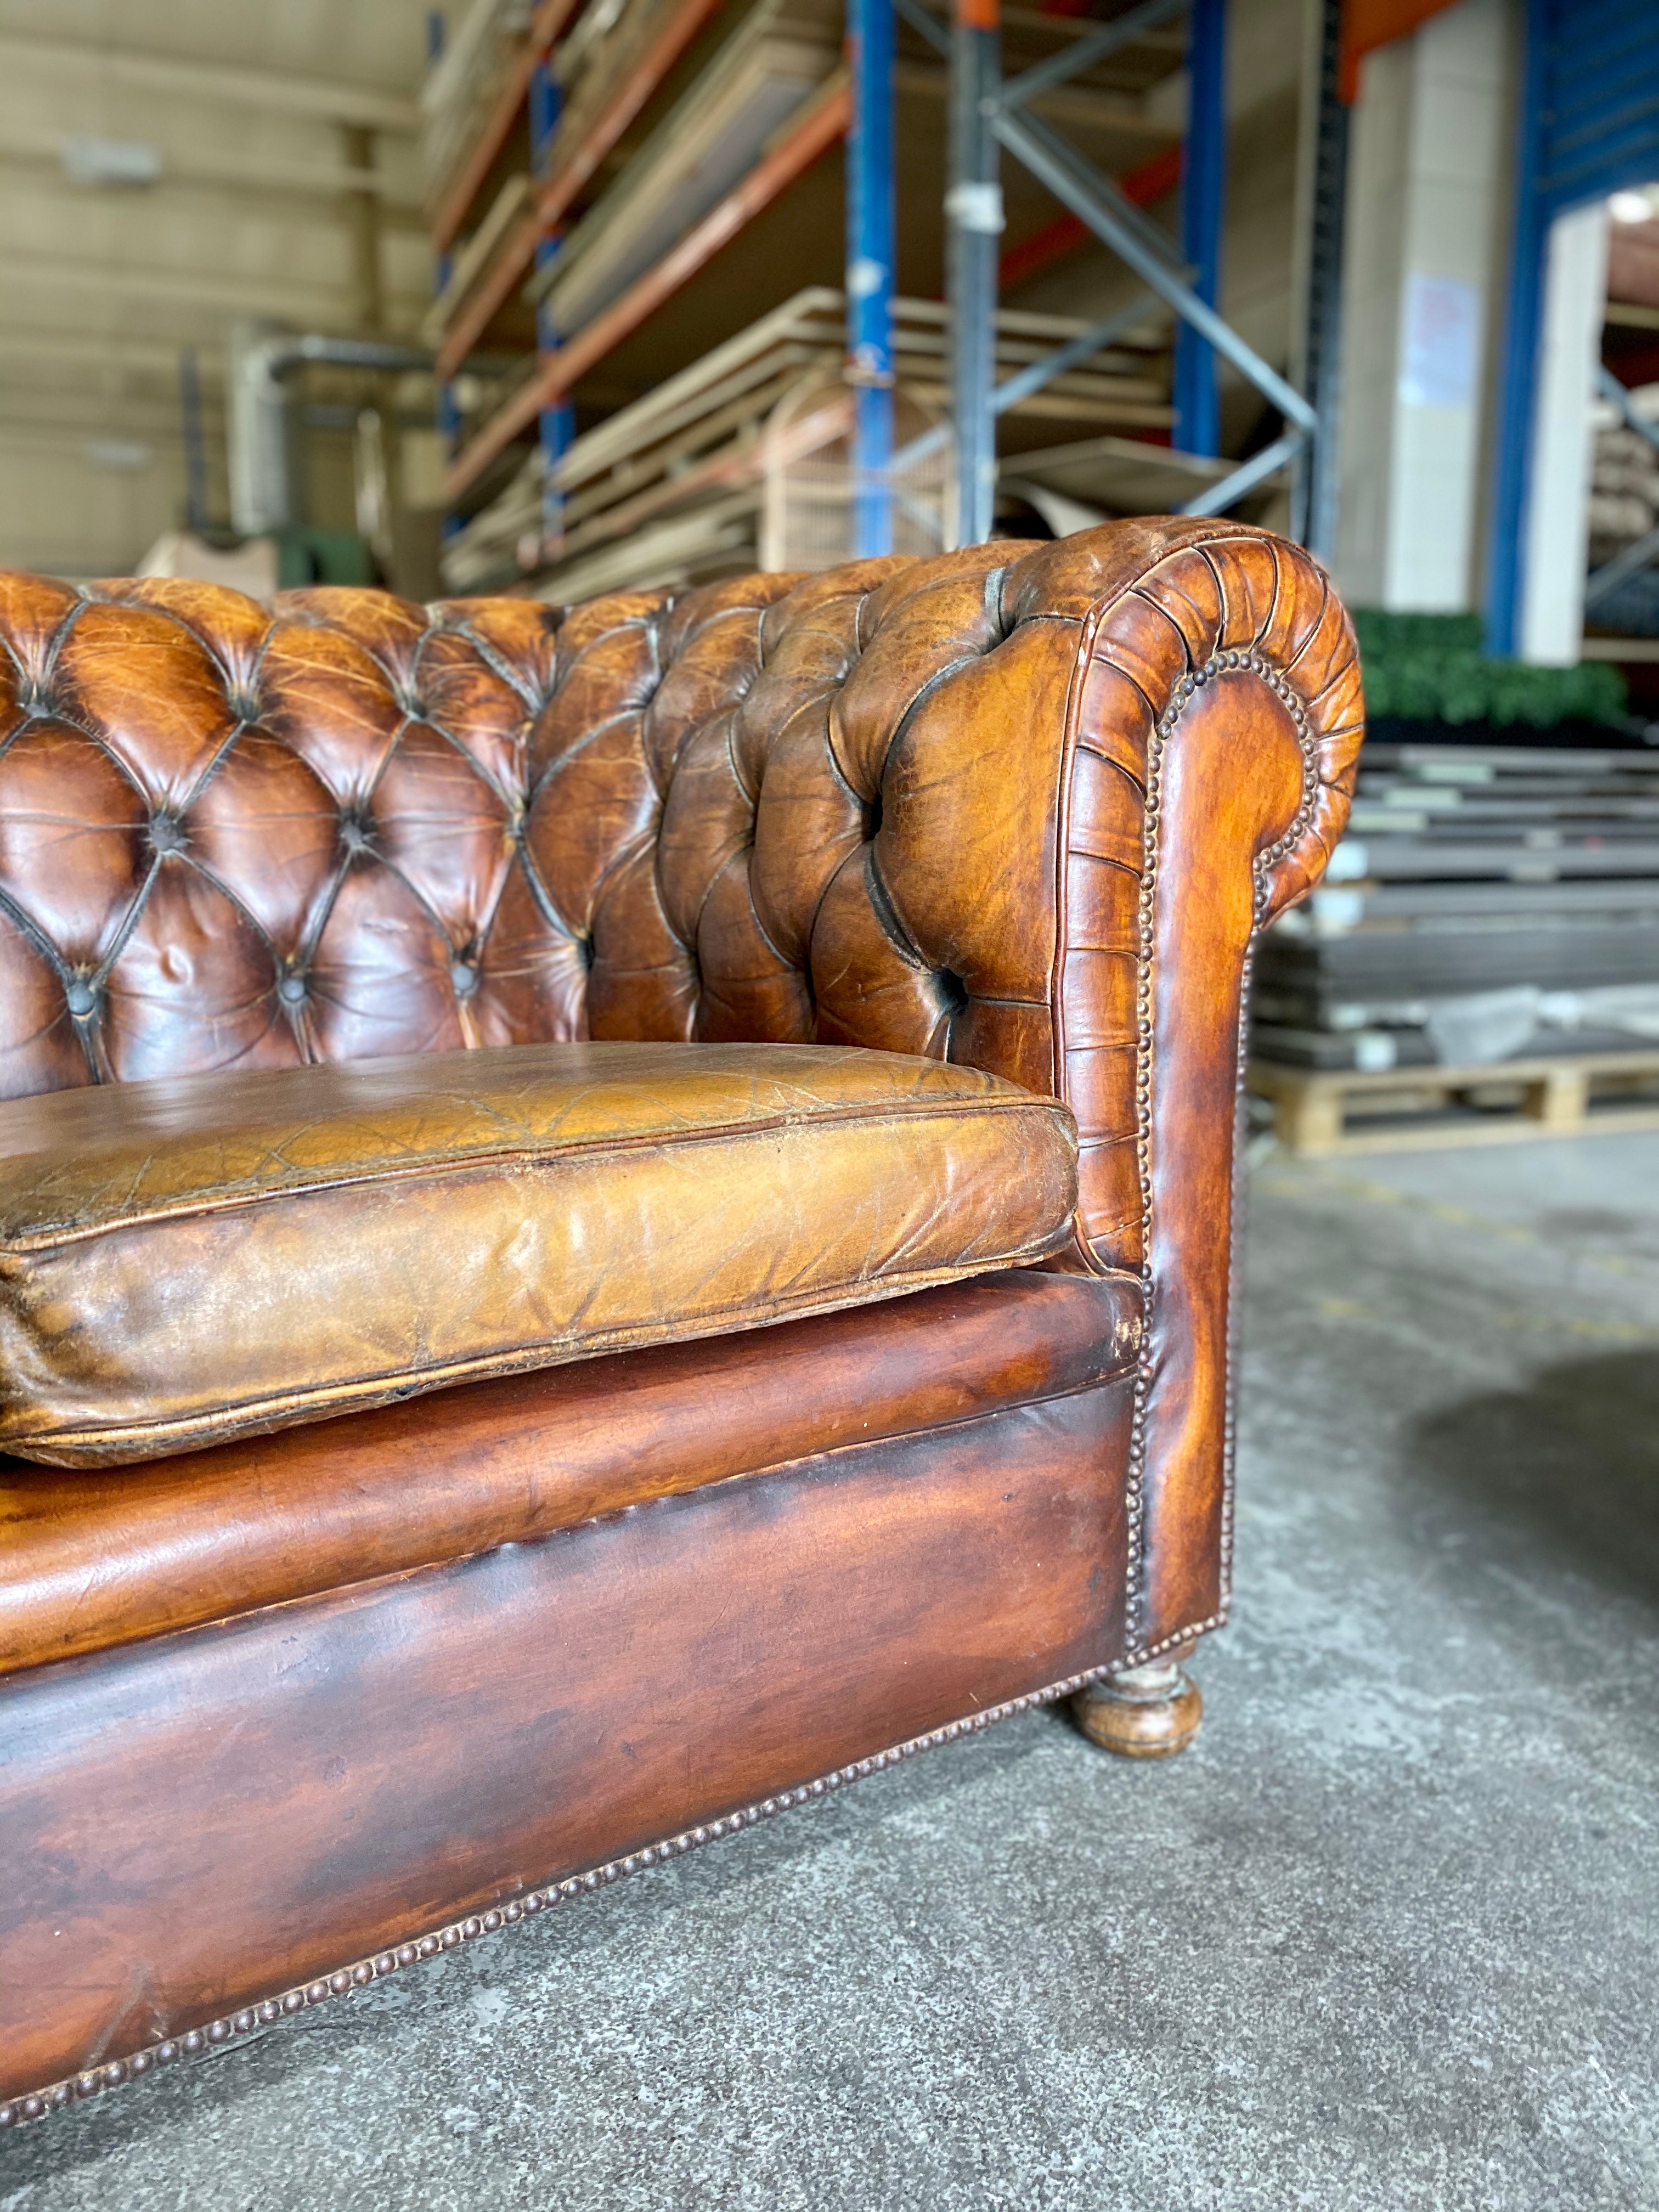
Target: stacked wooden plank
{"points": [[606, 58], [461, 87], [1491, 911], [657, 205], [779, 55], [671, 489]]}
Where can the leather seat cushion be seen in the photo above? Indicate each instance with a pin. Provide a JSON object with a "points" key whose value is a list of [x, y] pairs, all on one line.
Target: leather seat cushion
{"points": [[95, 1557], [190, 1259]]}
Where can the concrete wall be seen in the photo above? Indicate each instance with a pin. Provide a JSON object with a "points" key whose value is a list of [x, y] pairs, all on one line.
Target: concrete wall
{"points": [[247, 104], [1425, 255]]}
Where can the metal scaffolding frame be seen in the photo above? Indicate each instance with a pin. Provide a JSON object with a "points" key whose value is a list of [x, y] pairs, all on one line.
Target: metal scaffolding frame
{"points": [[990, 116], [987, 117], [872, 227], [1197, 390], [556, 424]]}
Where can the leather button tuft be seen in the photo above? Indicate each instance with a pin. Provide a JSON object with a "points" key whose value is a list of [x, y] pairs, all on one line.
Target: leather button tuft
{"points": [[290, 989], [81, 996], [463, 977], [166, 834], [354, 831]]}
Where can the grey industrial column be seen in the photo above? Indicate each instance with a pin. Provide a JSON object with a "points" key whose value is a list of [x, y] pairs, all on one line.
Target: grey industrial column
{"points": [[1314, 494], [973, 218]]}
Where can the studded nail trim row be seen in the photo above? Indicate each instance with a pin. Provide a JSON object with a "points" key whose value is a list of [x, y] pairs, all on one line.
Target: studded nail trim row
{"points": [[116, 2072]]}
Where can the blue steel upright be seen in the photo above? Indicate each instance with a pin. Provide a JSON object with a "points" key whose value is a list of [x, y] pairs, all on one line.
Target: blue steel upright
{"points": [[870, 250], [558, 423], [448, 413], [973, 224], [1203, 187]]}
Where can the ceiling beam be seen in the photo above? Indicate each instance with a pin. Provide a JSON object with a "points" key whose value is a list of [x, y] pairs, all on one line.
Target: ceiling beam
{"points": [[318, 301], [251, 178], [320, 98], [43, 341]]}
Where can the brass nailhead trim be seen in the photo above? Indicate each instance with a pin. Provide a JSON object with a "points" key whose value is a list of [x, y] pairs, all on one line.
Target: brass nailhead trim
{"points": [[1135, 1482], [40, 2102]]}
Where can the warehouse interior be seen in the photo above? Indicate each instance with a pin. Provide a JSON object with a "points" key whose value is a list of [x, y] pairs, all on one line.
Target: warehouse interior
{"points": [[550, 299]]}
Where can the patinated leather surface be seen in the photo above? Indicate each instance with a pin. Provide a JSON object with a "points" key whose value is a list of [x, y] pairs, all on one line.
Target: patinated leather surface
{"points": [[203, 1820], [1020, 807], [184, 1260], [93, 1557], [900, 804]]}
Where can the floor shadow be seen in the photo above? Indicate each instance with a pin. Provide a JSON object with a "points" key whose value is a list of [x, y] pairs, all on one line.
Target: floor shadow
{"points": [[1565, 1471]]}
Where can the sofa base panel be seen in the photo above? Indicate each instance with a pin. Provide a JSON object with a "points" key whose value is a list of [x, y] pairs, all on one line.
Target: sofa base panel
{"points": [[201, 1823], [33, 2105]]}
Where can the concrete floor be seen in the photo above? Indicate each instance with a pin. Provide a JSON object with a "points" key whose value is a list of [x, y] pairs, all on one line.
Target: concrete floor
{"points": [[1385, 1937]]}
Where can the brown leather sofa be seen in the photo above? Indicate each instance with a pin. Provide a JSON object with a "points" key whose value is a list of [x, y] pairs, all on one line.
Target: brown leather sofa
{"points": [[609, 1218]]}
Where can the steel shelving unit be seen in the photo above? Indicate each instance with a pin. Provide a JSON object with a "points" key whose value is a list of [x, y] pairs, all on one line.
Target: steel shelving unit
{"points": [[990, 111]]}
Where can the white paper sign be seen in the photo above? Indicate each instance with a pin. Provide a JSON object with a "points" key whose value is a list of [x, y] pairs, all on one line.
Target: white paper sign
{"points": [[1442, 342]]}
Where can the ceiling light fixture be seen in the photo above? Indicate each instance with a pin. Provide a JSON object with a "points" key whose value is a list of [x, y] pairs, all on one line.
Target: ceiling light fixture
{"points": [[127, 455], [121, 162]]}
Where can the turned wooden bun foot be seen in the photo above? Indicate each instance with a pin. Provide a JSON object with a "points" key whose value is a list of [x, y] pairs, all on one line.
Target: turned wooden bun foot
{"points": [[1142, 1712]]}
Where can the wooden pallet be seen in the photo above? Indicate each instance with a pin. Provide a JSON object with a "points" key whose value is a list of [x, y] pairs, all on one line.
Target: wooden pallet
{"points": [[1414, 1108]]}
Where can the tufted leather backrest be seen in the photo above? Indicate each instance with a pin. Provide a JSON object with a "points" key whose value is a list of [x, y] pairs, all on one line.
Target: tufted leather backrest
{"points": [[902, 805]]}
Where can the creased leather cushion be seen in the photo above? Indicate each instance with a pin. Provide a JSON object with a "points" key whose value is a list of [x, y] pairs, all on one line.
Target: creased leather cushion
{"points": [[185, 1260], [902, 805]]}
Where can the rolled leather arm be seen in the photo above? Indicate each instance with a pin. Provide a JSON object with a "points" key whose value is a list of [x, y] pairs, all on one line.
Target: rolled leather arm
{"points": [[1030, 808], [1218, 719]]}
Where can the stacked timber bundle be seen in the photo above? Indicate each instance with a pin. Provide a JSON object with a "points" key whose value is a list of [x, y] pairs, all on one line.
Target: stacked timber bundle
{"points": [[667, 491], [674, 488], [1492, 910], [479, 80], [777, 55], [463, 86]]}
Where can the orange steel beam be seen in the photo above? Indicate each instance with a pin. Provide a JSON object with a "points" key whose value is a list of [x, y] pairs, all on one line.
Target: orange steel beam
{"points": [[825, 121], [490, 295], [545, 26], [514, 261], [569, 176]]}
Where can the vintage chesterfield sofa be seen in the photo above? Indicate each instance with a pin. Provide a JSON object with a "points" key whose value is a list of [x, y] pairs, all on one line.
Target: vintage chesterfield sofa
{"points": [[609, 1218]]}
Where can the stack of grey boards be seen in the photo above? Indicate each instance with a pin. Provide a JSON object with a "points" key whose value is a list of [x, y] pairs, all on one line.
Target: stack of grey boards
{"points": [[1489, 903]]}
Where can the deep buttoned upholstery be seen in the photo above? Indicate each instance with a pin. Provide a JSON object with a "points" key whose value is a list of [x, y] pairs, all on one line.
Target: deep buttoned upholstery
{"points": [[392, 996], [903, 805]]}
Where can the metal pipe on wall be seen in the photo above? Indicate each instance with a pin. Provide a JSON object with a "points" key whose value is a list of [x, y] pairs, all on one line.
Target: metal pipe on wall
{"points": [[196, 467], [973, 222], [266, 492], [871, 233]]}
